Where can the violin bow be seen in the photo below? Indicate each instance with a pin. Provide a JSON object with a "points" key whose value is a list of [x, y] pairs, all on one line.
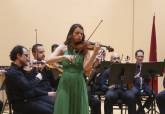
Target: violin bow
{"points": [[95, 29]]}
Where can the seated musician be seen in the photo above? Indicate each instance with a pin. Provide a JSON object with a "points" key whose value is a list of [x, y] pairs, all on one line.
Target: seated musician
{"points": [[22, 92], [93, 83], [160, 99], [117, 91], [48, 81], [141, 85]]}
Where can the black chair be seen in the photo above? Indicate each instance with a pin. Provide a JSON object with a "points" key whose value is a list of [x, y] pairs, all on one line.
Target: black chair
{"points": [[121, 105], [100, 94], [5, 103], [142, 99], [8, 103]]}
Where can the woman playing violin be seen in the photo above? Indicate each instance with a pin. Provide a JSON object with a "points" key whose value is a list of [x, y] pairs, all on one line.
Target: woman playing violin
{"points": [[72, 91]]}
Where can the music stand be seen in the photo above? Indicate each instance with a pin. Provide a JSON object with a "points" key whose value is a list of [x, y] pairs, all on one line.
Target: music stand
{"points": [[104, 65], [152, 70], [130, 69], [116, 73], [122, 73]]}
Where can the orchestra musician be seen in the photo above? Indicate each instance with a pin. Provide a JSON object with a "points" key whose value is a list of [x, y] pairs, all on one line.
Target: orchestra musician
{"points": [[141, 85], [48, 81], [160, 99], [116, 91], [23, 93]]}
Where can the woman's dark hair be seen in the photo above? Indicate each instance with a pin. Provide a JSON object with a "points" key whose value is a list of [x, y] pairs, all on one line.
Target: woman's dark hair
{"points": [[16, 50], [68, 40]]}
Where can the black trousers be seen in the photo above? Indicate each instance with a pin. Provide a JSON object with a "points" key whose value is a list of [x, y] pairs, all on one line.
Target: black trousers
{"points": [[48, 99], [35, 106], [95, 104], [111, 97]]}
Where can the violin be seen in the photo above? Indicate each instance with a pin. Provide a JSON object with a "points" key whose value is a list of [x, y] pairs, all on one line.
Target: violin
{"points": [[89, 46], [99, 58], [40, 65], [3, 69]]}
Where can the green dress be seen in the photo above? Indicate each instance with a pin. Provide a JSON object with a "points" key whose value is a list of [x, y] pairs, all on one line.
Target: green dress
{"points": [[71, 97]]}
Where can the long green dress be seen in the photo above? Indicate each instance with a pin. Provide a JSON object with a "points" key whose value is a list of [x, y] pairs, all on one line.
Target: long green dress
{"points": [[71, 97]]}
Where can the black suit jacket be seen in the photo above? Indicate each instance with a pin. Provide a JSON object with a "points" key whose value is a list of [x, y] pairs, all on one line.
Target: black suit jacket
{"points": [[19, 87]]}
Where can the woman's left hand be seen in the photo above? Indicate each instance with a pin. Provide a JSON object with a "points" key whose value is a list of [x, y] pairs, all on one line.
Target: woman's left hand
{"points": [[97, 48]]}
